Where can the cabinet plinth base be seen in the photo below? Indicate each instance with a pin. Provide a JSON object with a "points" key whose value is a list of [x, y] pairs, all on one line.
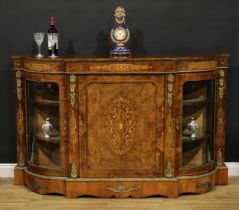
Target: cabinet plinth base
{"points": [[121, 187]]}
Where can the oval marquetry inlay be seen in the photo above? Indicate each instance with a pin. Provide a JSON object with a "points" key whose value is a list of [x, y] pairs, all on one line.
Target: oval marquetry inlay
{"points": [[120, 125]]}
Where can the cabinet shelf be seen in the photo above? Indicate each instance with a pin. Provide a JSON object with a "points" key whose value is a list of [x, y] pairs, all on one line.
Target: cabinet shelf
{"points": [[194, 101], [187, 139], [47, 102], [55, 139]]}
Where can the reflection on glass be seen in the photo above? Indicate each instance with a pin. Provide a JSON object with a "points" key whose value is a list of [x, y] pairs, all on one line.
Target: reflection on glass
{"points": [[43, 124], [198, 123]]}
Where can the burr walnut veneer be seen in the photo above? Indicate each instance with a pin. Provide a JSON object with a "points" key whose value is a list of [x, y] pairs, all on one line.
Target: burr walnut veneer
{"points": [[120, 126]]}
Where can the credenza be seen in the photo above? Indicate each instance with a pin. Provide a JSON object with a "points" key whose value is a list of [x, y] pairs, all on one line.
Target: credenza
{"points": [[120, 126]]}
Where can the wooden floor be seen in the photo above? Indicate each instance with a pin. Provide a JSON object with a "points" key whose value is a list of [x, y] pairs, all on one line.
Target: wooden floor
{"points": [[19, 197]]}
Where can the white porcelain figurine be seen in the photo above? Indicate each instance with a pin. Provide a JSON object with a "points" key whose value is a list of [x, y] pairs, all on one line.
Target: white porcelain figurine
{"points": [[192, 127], [47, 128]]}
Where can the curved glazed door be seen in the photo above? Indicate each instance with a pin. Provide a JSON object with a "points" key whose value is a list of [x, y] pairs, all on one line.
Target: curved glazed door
{"points": [[122, 120], [46, 124], [197, 134]]}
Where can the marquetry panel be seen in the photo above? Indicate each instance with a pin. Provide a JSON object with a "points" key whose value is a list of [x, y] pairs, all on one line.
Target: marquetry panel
{"points": [[122, 134], [197, 66], [44, 66]]}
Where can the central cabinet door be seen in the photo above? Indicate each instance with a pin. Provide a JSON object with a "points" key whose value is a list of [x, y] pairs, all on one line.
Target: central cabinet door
{"points": [[121, 125]]}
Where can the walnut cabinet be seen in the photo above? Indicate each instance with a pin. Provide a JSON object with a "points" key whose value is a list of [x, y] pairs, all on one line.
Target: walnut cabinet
{"points": [[121, 126]]}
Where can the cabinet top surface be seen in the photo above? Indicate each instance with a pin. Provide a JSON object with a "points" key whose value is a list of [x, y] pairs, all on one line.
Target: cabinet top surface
{"points": [[106, 58], [136, 64]]}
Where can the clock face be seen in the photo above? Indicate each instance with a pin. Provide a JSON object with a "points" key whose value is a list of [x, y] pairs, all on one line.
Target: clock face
{"points": [[120, 34]]}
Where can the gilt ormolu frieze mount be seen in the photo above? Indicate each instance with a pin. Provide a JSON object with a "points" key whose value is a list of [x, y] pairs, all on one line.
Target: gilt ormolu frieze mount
{"points": [[221, 81]]}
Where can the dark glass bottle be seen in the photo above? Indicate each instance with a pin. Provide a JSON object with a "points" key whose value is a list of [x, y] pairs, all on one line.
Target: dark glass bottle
{"points": [[52, 32]]}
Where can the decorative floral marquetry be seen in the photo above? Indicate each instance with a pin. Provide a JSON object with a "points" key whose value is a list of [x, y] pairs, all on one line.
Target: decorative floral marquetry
{"points": [[169, 169], [38, 186], [20, 132], [72, 90], [73, 170], [219, 157], [20, 126], [48, 66], [117, 67], [19, 85], [170, 79], [120, 125], [21, 160], [221, 81], [220, 120], [204, 185], [73, 135]]}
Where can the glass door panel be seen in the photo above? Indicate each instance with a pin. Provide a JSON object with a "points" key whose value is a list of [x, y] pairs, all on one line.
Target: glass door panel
{"points": [[198, 123], [43, 124]]}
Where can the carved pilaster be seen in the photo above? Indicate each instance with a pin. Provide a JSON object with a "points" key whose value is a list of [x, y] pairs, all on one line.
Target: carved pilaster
{"points": [[220, 126], [170, 126]]}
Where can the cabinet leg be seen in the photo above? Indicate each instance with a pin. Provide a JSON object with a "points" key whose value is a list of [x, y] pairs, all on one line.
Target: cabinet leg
{"points": [[19, 176], [222, 176]]}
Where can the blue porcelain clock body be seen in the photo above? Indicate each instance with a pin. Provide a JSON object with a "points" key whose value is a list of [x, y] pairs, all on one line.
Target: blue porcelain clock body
{"points": [[120, 34]]}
